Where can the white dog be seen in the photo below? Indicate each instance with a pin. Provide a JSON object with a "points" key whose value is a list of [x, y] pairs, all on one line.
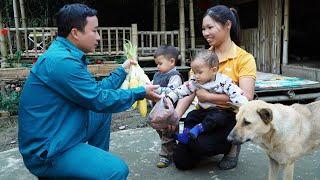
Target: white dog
{"points": [[284, 132]]}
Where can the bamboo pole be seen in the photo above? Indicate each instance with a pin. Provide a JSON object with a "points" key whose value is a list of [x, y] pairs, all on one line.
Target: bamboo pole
{"points": [[285, 33], [24, 25], [163, 15], [16, 22], [191, 18], [134, 31], [182, 33], [155, 15], [23, 16], [3, 46]]}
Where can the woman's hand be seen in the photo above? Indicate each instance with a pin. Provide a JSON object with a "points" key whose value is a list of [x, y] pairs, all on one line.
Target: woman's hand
{"points": [[127, 64]]}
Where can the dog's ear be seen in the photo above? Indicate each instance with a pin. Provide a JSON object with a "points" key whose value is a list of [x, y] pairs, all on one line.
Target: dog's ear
{"points": [[265, 114], [235, 107]]}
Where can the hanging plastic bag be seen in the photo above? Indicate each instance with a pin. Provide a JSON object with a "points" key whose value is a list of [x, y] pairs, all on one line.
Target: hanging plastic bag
{"points": [[163, 114]]}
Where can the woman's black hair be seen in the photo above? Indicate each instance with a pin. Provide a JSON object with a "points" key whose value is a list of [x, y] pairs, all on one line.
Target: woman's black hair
{"points": [[73, 16], [222, 14]]}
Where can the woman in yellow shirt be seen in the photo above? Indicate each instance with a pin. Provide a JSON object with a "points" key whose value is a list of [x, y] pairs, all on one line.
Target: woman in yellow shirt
{"points": [[220, 28]]}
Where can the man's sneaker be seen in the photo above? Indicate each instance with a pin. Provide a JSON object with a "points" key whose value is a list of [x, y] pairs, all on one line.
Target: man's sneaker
{"points": [[163, 162]]}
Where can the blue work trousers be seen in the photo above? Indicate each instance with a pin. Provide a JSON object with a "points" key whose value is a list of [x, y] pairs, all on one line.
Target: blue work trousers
{"points": [[89, 160]]}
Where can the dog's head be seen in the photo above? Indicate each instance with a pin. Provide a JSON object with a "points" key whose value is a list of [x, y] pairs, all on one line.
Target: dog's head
{"points": [[254, 119]]}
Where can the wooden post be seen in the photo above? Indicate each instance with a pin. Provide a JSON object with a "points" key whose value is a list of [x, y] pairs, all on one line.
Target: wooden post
{"points": [[3, 46], [134, 31], [24, 25], [23, 14], [191, 17], [16, 22], [285, 33], [182, 33], [163, 15], [155, 15]]}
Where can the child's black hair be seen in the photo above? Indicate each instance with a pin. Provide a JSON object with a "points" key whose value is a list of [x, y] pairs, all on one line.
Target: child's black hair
{"points": [[167, 51], [207, 56]]}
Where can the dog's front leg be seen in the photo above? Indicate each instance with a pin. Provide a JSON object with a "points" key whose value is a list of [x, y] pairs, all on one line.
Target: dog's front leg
{"points": [[273, 169], [288, 171]]}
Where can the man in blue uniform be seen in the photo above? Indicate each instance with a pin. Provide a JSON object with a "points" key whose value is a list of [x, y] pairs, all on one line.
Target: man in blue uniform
{"points": [[64, 113]]}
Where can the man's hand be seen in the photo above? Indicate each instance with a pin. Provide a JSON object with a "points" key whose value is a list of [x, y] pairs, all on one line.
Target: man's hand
{"points": [[150, 94], [127, 64]]}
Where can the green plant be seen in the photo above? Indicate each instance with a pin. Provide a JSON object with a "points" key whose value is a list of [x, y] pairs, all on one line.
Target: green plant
{"points": [[120, 59], [10, 103], [13, 60]]}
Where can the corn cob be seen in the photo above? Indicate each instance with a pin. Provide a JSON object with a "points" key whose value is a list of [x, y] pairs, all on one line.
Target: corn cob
{"points": [[133, 84], [143, 107], [136, 76]]}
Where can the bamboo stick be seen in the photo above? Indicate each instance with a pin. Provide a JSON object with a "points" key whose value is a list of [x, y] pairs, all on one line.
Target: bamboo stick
{"points": [[182, 32], [117, 41], [134, 28], [24, 25], [101, 40], [163, 15], [285, 33], [191, 18], [3, 46], [109, 42], [16, 22], [155, 15]]}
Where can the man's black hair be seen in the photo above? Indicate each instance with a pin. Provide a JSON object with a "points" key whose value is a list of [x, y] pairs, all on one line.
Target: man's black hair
{"points": [[73, 16]]}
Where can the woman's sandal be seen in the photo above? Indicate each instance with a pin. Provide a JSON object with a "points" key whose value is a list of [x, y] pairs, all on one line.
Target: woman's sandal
{"points": [[230, 162]]}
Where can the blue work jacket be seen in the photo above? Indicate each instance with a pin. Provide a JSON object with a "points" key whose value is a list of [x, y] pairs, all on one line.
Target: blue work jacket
{"points": [[56, 99]]}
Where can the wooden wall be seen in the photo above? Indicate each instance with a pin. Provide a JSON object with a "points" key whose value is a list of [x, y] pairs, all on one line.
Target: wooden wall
{"points": [[265, 42]]}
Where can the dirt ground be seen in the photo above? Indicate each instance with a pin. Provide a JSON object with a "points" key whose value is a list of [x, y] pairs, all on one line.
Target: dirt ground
{"points": [[125, 120]]}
